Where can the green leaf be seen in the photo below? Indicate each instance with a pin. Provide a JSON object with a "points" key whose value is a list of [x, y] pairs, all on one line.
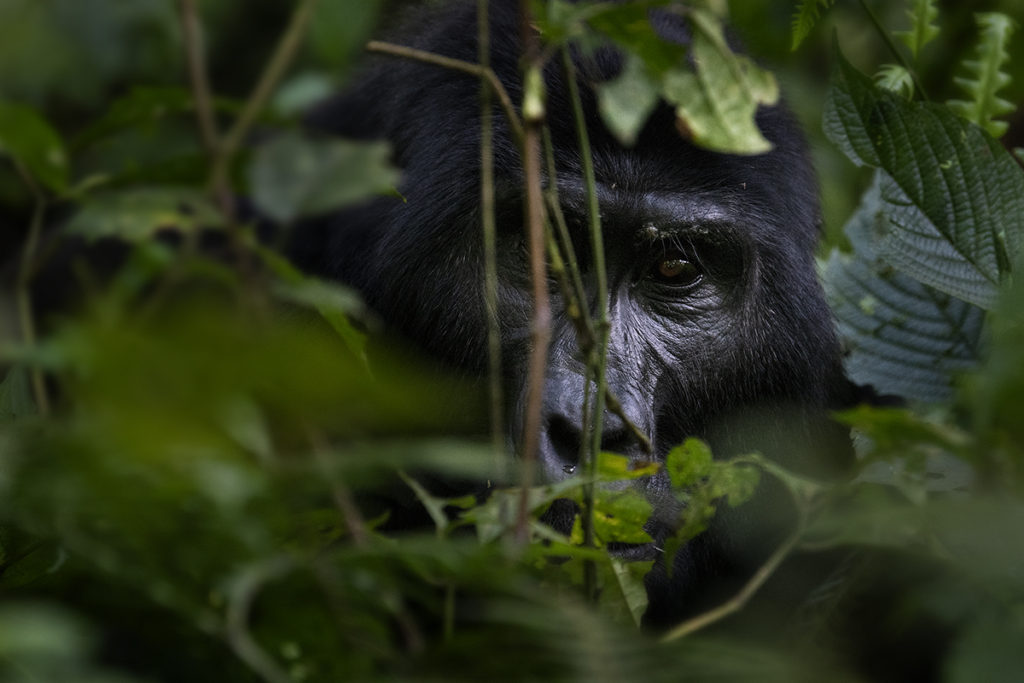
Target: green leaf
{"points": [[953, 195], [32, 142], [627, 101], [294, 176], [630, 579], [136, 214], [688, 463], [806, 17], [922, 29], [987, 77], [903, 337], [897, 79], [619, 516], [16, 395], [716, 105]]}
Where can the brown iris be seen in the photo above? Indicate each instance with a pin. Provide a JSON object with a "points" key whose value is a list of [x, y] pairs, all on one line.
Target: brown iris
{"points": [[677, 271]]}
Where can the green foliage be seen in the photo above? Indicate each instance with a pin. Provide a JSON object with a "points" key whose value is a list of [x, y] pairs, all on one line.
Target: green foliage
{"points": [[953, 197], [31, 142], [986, 77], [904, 337], [922, 26], [716, 92], [345, 172], [221, 488], [806, 16]]}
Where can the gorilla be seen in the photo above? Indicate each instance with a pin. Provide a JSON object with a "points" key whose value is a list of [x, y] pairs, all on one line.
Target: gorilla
{"points": [[719, 327]]}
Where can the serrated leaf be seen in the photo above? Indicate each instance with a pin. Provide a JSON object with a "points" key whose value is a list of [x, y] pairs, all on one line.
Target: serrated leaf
{"points": [[33, 143], [922, 29], [895, 78], [904, 337], [953, 195], [136, 214], [806, 17], [987, 77], [716, 105], [294, 176]]}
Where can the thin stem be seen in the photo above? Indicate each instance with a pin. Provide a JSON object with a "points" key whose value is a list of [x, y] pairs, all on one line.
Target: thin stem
{"points": [[533, 119], [597, 359], [23, 289], [738, 601], [284, 53], [458, 65], [490, 239], [894, 49], [195, 54], [242, 595]]}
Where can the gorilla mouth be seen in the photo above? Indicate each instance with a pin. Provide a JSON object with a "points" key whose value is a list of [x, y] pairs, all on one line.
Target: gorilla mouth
{"points": [[636, 552]]}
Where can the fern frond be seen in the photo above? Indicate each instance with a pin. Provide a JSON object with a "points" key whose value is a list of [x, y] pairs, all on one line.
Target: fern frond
{"points": [[922, 29], [985, 76], [895, 78], [807, 13]]}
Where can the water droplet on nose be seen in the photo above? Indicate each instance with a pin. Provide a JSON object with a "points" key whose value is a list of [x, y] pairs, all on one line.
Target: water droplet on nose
{"points": [[568, 469]]}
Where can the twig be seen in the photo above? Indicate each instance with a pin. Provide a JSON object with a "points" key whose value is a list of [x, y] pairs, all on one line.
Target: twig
{"points": [[533, 121], [488, 224], [23, 289], [458, 65], [738, 601], [240, 599], [195, 55], [893, 49], [283, 55], [597, 359]]}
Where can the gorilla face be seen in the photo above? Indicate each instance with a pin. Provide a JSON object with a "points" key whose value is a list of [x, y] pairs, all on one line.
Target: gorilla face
{"points": [[719, 328]]}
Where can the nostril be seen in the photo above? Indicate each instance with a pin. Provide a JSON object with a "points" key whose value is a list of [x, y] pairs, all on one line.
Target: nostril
{"points": [[565, 440], [617, 440]]}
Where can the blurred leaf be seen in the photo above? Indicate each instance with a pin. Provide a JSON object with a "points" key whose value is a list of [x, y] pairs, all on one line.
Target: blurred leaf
{"points": [[688, 463], [904, 338], [717, 104], [953, 196], [806, 16], [630, 576], [145, 105], [922, 29], [619, 516], [339, 28], [987, 77], [31, 142], [895, 78], [613, 467], [135, 215], [16, 394], [989, 650], [294, 176], [627, 101]]}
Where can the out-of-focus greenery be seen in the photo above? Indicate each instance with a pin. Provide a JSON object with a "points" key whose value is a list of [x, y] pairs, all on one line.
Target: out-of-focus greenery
{"points": [[209, 472]]}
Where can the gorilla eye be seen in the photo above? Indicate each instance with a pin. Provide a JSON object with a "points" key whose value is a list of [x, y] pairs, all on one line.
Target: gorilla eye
{"points": [[677, 271]]}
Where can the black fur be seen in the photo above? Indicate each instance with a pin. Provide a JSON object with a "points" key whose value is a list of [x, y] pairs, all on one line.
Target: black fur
{"points": [[746, 357]]}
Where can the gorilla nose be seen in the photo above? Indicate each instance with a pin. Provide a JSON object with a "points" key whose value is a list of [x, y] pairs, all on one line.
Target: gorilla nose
{"points": [[563, 436]]}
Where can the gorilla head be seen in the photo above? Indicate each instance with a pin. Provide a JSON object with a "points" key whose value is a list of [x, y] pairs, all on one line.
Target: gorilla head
{"points": [[719, 328]]}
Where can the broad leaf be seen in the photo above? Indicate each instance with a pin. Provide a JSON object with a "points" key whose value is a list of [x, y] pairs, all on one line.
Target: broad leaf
{"points": [[31, 142], [953, 195], [294, 176], [716, 105], [135, 215], [904, 337]]}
